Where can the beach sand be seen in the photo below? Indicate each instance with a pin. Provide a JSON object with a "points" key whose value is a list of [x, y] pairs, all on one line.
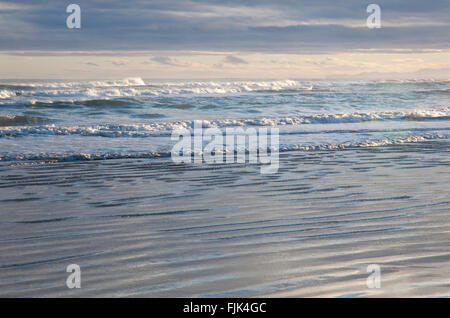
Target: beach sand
{"points": [[151, 228]]}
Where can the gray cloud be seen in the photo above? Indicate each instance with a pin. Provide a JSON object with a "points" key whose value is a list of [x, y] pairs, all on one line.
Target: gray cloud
{"points": [[234, 60], [119, 62], [165, 60], [307, 26]]}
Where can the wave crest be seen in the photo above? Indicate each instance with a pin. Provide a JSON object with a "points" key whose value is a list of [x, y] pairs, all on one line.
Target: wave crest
{"points": [[161, 128], [64, 157]]}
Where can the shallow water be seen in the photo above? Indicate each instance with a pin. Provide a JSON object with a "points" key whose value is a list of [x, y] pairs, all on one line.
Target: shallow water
{"points": [[152, 228], [363, 179]]}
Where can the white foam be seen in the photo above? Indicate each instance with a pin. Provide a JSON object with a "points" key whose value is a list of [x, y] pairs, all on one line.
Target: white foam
{"points": [[366, 144], [6, 94], [164, 128], [135, 87], [118, 154], [132, 81]]}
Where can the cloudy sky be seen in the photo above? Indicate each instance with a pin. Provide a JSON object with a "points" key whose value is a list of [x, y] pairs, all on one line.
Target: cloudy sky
{"points": [[225, 39]]}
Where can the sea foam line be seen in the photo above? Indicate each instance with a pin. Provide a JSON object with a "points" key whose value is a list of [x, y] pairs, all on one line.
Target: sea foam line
{"points": [[69, 157], [165, 128]]}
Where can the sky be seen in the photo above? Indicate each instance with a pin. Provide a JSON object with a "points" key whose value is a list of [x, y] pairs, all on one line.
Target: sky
{"points": [[177, 39]]}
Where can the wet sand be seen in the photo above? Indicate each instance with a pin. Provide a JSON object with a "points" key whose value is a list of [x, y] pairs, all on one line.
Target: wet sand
{"points": [[151, 228]]}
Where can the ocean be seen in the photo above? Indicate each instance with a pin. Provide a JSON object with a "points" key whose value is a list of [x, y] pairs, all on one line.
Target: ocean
{"points": [[87, 178]]}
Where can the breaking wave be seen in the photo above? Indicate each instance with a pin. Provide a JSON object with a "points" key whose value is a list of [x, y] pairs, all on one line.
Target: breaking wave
{"points": [[69, 157], [136, 87], [164, 128]]}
